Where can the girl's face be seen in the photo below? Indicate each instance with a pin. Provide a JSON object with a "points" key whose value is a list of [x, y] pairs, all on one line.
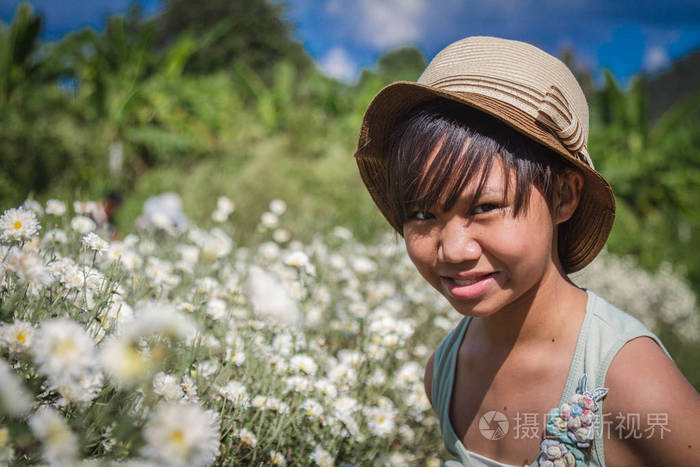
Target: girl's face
{"points": [[486, 259]]}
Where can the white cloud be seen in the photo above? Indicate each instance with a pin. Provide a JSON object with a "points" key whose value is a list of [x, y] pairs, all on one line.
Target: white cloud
{"points": [[655, 58], [338, 64], [382, 23]]}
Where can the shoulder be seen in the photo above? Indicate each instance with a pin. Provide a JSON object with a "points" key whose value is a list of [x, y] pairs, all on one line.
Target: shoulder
{"points": [[651, 407]]}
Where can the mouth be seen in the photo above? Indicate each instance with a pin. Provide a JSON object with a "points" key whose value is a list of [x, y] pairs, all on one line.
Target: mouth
{"points": [[463, 282], [472, 287], [472, 279]]}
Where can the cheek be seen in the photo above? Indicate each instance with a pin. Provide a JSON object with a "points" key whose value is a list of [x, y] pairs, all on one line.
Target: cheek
{"points": [[421, 251], [525, 239]]}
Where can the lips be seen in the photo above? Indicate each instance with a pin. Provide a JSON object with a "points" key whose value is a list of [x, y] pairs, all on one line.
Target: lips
{"points": [[462, 282], [469, 286]]}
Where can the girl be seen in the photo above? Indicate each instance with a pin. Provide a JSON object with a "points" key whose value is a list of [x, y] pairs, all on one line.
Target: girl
{"points": [[482, 166]]}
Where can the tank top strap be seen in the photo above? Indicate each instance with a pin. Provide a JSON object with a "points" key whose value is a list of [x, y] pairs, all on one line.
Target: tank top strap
{"points": [[443, 381], [605, 330]]}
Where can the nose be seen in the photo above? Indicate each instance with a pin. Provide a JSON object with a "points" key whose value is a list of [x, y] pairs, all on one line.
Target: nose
{"points": [[457, 243]]}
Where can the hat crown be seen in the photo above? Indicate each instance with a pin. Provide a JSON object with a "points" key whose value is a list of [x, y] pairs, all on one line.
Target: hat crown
{"points": [[518, 74]]}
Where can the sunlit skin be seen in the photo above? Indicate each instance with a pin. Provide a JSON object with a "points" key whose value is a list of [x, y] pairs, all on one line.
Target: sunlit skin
{"points": [[504, 271], [511, 259]]}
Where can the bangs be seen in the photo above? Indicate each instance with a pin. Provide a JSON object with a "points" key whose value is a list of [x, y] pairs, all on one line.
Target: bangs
{"points": [[440, 147]]}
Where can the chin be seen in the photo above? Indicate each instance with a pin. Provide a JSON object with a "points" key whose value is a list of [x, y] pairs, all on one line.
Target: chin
{"points": [[478, 309]]}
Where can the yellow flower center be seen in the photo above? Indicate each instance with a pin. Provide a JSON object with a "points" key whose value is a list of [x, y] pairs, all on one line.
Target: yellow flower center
{"points": [[65, 347], [177, 437], [21, 337], [17, 225]]}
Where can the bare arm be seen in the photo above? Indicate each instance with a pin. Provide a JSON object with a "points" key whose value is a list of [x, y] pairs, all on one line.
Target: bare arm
{"points": [[654, 410]]}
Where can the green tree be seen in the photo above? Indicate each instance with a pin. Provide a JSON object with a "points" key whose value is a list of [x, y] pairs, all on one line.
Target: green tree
{"points": [[19, 44], [654, 171], [251, 32]]}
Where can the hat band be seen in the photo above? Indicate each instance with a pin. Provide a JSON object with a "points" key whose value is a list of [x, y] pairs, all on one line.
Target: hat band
{"points": [[551, 109]]}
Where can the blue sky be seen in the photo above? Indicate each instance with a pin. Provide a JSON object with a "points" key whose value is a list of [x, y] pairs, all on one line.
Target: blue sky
{"points": [[344, 36]]}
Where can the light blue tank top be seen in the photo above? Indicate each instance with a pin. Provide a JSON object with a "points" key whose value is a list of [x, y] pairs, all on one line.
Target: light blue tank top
{"points": [[605, 329]]}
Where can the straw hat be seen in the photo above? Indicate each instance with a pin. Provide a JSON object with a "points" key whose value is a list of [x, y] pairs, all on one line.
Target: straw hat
{"points": [[522, 86]]}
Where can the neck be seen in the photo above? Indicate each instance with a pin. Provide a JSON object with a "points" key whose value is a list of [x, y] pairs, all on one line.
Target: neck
{"points": [[538, 316]]}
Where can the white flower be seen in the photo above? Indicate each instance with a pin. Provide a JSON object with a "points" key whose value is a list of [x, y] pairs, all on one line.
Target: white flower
{"points": [[270, 298], [276, 405], [123, 361], [62, 347], [278, 206], [189, 386], [363, 265], [55, 207], [56, 236], [258, 402], [301, 260], [322, 458], [246, 436], [342, 374], [269, 220], [276, 458], [182, 434], [237, 357], [298, 383], [82, 388], [214, 245], [17, 337], [269, 250], [167, 387], [65, 355], [33, 206], [121, 356], [18, 224], [303, 363], [326, 389], [207, 368], [14, 399], [408, 374], [281, 235], [60, 445], [311, 408], [345, 406], [189, 253], [225, 204], [155, 318], [235, 392], [82, 224], [219, 216], [84, 207], [380, 420], [30, 268], [216, 309], [95, 242], [342, 233], [377, 378]]}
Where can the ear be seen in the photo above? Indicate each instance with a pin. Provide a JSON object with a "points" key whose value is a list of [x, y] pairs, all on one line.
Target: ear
{"points": [[568, 195]]}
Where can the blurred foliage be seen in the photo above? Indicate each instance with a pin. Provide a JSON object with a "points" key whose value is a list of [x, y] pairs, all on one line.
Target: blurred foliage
{"points": [[655, 173], [219, 100], [252, 33]]}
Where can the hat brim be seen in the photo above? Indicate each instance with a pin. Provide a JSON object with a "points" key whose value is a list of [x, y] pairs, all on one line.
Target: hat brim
{"points": [[587, 230]]}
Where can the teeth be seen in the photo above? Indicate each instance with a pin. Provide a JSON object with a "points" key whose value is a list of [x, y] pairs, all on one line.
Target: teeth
{"points": [[461, 282]]}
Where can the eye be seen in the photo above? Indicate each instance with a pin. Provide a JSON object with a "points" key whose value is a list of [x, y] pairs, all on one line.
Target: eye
{"points": [[421, 215], [485, 207]]}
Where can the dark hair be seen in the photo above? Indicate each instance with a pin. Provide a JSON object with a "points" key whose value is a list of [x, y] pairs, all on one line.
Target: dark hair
{"points": [[450, 125]]}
